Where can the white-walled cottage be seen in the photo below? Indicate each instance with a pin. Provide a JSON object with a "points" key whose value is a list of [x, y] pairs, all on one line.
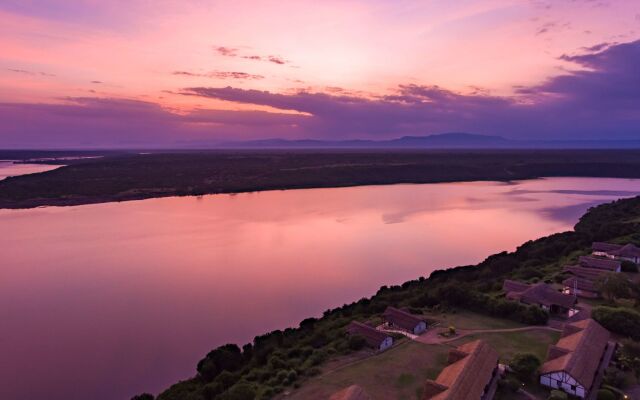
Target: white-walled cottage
{"points": [[375, 338], [573, 362], [396, 318]]}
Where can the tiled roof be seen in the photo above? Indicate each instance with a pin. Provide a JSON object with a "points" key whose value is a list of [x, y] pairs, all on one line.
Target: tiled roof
{"points": [[373, 336], [599, 263], [467, 376], [582, 284], [540, 293], [514, 286], [628, 250], [401, 318], [578, 351], [604, 247], [585, 273]]}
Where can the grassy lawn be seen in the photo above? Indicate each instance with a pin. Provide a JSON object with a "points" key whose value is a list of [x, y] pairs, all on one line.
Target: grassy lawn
{"points": [[463, 319], [397, 373], [509, 343]]}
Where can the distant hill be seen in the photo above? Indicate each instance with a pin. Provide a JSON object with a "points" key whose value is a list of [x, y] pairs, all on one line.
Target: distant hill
{"points": [[453, 140]]}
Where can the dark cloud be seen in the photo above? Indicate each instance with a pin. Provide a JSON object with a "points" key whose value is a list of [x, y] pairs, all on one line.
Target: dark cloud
{"points": [[598, 47], [277, 60], [220, 75], [106, 122], [97, 82], [227, 51], [597, 100]]}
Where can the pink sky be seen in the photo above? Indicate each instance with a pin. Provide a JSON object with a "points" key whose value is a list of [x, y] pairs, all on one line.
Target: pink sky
{"points": [[56, 51]]}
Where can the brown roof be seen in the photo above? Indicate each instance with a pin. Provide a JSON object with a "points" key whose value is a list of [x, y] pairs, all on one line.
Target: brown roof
{"points": [[373, 336], [578, 351], [540, 293], [401, 318], [599, 263], [585, 273], [628, 250], [466, 378], [514, 286], [353, 392], [582, 284], [604, 247]]}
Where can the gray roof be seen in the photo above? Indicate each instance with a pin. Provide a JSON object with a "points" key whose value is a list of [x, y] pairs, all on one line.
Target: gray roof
{"points": [[540, 293], [599, 263]]}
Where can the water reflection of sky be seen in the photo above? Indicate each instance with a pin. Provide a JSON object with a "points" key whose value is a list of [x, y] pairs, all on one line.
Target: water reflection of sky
{"points": [[8, 168], [115, 299]]}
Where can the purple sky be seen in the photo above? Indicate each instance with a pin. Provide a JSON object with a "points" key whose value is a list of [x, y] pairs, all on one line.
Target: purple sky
{"points": [[82, 74]]}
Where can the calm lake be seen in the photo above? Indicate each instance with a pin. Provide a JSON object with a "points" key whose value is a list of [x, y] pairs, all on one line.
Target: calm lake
{"points": [[8, 168], [106, 301]]}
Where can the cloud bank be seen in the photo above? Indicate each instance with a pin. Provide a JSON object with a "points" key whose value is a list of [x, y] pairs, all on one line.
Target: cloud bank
{"points": [[598, 100]]}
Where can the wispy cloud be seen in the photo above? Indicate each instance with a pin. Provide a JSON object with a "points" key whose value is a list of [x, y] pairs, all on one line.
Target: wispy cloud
{"points": [[596, 101], [220, 75], [236, 52], [27, 72]]}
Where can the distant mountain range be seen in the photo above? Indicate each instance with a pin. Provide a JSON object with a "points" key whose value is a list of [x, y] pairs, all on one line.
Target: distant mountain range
{"points": [[455, 140]]}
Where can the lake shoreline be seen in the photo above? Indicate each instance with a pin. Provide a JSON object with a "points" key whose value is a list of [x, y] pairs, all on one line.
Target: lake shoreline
{"points": [[138, 177]]}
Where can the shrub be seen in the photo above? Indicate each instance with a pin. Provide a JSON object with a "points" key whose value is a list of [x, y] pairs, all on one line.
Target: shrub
{"points": [[558, 395], [356, 342], [241, 391], [524, 366], [224, 358], [628, 266], [614, 377], [629, 356], [143, 396], [226, 379], [623, 321], [606, 394], [510, 383], [276, 362]]}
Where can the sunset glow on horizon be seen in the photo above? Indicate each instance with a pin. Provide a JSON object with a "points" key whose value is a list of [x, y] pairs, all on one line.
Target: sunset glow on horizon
{"points": [[87, 73]]}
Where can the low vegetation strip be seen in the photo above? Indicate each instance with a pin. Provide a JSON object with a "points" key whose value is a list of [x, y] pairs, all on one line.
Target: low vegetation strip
{"points": [[288, 360], [120, 177]]}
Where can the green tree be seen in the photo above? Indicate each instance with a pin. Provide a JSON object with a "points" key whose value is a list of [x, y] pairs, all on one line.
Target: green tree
{"points": [[524, 366], [629, 355], [356, 342], [241, 391], [621, 320], [143, 396], [614, 286], [628, 266], [224, 358], [605, 394]]}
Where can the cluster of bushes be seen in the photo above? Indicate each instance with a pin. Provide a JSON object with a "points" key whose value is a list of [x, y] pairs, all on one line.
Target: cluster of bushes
{"points": [[461, 295], [621, 320]]}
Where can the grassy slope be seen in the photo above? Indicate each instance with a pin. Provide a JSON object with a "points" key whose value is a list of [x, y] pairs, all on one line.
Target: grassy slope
{"points": [[510, 343], [397, 373], [130, 177]]}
